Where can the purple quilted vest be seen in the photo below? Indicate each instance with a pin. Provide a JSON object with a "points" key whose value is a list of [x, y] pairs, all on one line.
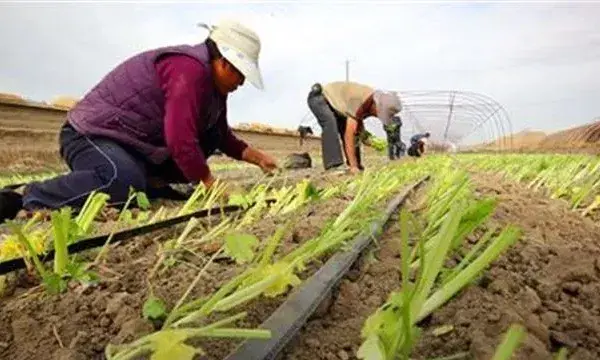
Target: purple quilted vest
{"points": [[128, 103]]}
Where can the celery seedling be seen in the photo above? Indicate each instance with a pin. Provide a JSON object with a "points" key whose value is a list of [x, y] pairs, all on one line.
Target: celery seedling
{"points": [[513, 337]]}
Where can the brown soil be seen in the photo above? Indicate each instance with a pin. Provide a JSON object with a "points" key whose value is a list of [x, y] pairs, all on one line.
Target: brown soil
{"points": [[86, 319], [549, 281], [334, 330]]}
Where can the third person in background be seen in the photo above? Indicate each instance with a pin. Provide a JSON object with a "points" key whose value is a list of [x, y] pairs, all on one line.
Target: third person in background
{"points": [[341, 108], [417, 144]]}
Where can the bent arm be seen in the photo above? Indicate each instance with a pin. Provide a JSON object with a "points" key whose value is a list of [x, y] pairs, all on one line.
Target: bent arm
{"points": [[236, 148], [185, 83], [231, 145], [366, 109], [349, 140], [252, 155]]}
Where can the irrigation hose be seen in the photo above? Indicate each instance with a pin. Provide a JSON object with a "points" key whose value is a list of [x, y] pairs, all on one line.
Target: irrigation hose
{"points": [[292, 315], [124, 235]]}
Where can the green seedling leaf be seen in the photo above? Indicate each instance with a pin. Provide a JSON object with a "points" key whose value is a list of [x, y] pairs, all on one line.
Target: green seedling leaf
{"points": [[310, 191], [512, 339], [143, 216], [77, 271], [371, 349], [562, 354], [241, 247], [239, 199], [170, 345], [284, 274], [503, 241], [266, 255], [62, 229], [286, 278], [169, 262], [92, 207], [169, 244], [88, 278], [142, 200], [475, 215], [126, 216], [154, 309], [54, 283], [384, 322], [26, 242]]}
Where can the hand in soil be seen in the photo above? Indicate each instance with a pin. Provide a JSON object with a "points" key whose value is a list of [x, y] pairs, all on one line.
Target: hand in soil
{"points": [[268, 164]]}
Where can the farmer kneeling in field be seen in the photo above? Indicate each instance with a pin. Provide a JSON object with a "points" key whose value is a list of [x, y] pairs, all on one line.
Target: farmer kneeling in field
{"points": [[153, 120], [340, 108], [417, 144]]}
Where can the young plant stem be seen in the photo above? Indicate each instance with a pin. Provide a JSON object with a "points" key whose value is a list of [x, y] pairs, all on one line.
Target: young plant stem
{"points": [[510, 342], [32, 253], [185, 295], [104, 248]]}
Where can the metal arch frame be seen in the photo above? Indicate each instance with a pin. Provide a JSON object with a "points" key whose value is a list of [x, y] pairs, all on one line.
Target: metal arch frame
{"points": [[453, 106]]}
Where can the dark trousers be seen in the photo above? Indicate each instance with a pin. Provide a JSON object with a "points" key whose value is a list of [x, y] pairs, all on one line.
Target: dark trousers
{"points": [[395, 149], [415, 149], [395, 146], [103, 165], [333, 126]]}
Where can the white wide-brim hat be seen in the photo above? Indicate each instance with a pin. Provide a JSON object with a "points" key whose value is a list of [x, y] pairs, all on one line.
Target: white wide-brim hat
{"points": [[240, 46]]}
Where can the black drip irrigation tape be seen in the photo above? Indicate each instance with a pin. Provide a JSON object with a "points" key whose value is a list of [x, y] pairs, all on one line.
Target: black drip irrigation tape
{"points": [[122, 236], [285, 322]]}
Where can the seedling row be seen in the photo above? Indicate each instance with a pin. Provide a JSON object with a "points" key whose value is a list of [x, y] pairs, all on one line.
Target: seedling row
{"points": [[203, 287], [266, 264]]}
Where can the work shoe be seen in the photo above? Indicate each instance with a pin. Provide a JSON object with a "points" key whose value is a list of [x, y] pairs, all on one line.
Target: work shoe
{"points": [[336, 170], [10, 204]]}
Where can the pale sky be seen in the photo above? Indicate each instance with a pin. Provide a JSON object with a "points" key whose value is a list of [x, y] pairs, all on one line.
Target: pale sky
{"points": [[541, 61]]}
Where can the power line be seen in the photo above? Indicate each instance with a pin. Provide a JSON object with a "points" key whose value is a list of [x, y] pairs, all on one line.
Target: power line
{"points": [[347, 70]]}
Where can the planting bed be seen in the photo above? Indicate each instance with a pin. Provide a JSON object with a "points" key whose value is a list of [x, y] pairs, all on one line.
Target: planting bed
{"points": [[80, 322], [334, 331], [548, 280], [112, 312]]}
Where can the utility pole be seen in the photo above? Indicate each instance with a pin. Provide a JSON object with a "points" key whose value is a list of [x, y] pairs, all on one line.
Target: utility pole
{"points": [[347, 70]]}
